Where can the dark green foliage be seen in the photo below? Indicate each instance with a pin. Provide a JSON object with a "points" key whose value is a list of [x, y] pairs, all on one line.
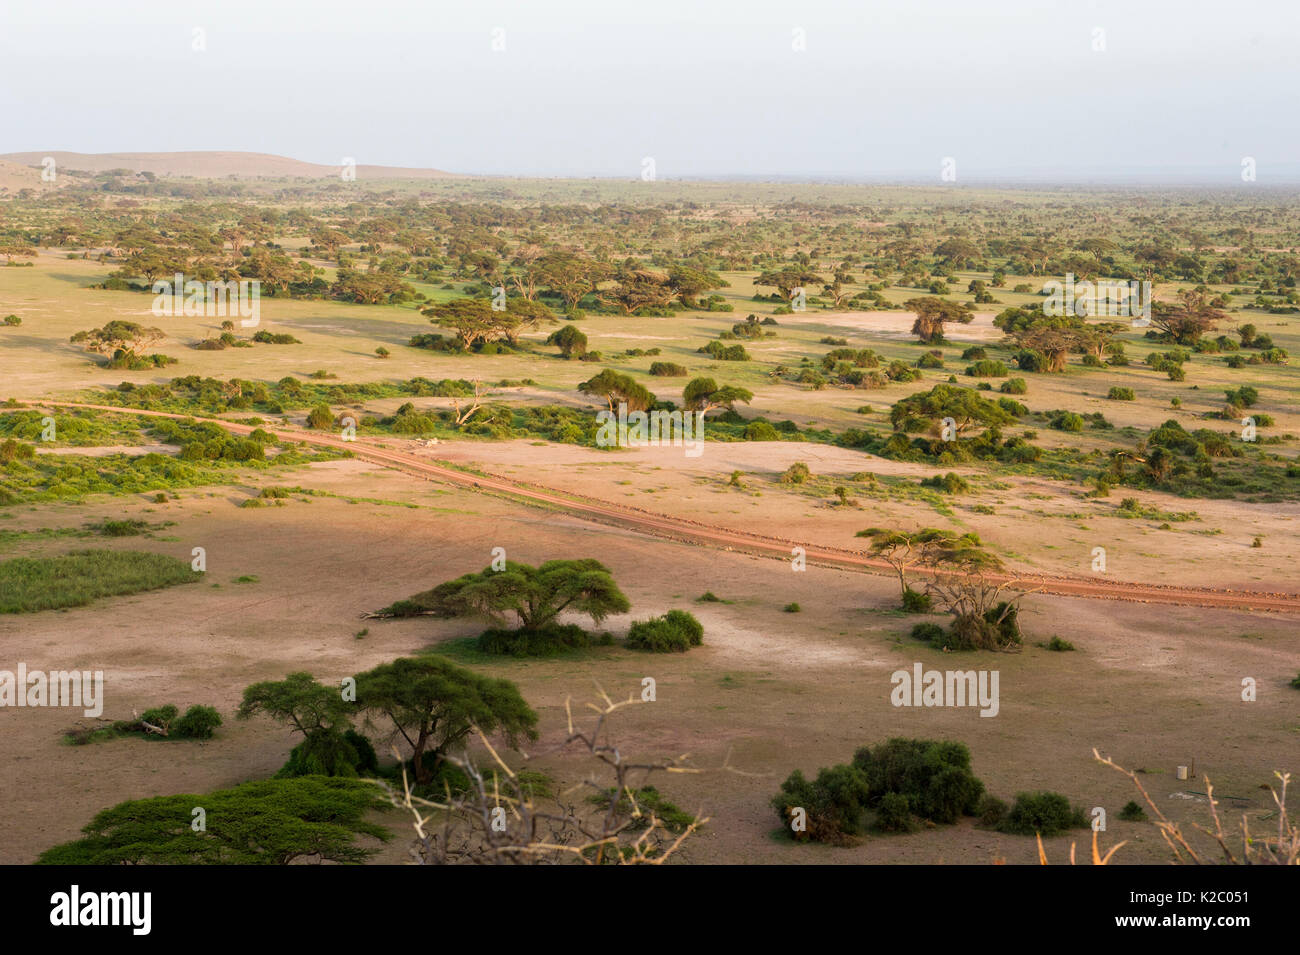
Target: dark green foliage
{"points": [[930, 633], [571, 342], [268, 822], [675, 632], [990, 811], [536, 595], [199, 722], [1120, 394], [324, 752], [723, 352], [1013, 386], [1132, 812], [834, 803], [544, 641], [270, 338], [668, 369], [1058, 645], [935, 776], [434, 704], [894, 814], [1043, 813], [915, 601]]}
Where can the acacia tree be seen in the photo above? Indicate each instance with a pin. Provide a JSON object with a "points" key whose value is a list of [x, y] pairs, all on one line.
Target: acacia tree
{"points": [[522, 315], [434, 704], [570, 276], [569, 340], [125, 342], [787, 279], [905, 549], [926, 410], [536, 595], [637, 289], [968, 582], [1189, 319], [318, 712], [266, 822], [933, 313], [618, 388], [472, 320], [689, 283], [704, 394]]}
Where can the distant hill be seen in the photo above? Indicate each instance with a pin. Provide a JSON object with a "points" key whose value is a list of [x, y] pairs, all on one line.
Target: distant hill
{"points": [[206, 165], [16, 176]]}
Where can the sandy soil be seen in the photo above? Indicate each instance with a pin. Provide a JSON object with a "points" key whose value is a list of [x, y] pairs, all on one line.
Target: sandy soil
{"points": [[768, 692]]}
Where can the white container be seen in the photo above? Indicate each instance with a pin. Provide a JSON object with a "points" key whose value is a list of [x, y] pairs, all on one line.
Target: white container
{"points": [[1182, 772]]}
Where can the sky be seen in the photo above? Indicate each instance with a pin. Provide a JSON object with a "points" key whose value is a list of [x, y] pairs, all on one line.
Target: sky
{"points": [[814, 89]]}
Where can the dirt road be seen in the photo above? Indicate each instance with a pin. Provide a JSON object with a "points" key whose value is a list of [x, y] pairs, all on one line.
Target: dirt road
{"points": [[708, 535]]}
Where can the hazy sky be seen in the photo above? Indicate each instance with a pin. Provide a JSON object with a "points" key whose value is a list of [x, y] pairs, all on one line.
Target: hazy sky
{"points": [[1008, 88]]}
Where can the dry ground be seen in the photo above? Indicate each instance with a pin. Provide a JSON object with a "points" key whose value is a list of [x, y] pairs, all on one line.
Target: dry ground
{"points": [[769, 691]]}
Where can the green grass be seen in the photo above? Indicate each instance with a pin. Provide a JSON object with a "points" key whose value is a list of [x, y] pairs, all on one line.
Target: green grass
{"points": [[32, 584]]}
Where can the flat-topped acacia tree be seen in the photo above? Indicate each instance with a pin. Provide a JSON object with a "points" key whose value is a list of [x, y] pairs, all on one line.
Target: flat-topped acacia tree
{"points": [[617, 388], [535, 595], [932, 313], [434, 705]]}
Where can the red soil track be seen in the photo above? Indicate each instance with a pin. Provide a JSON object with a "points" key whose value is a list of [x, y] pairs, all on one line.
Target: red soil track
{"points": [[710, 535]]}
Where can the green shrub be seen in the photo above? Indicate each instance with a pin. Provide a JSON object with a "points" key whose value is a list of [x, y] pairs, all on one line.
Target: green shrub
{"points": [[934, 776], [915, 601], [834, 803], [950, 483], [1043, 813], [791, 608], [668, 369], [675, 632], [199, 722], [1014, 386], [544, 641], [160, 716], [796, 473], [761, 431], [13, 320], [320, 418], [1132, 812], [990, 811], [1120, 394], [987, 368], [894, 814], [269, 338], [930, 633], [1056, 644]]}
